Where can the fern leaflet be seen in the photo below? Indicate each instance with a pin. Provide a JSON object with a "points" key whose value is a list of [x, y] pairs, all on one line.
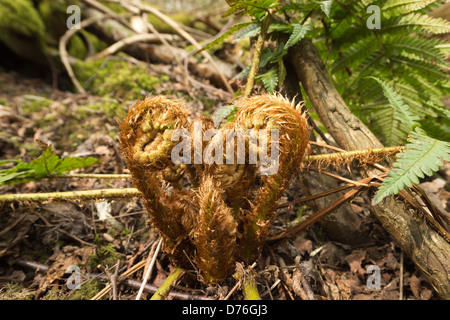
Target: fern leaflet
{"points": [[423, 156]]}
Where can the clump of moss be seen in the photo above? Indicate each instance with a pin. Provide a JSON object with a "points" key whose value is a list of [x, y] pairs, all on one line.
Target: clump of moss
{"points": [[15, 291], [21, 17], [22, 29], [54, 14], [116, 79], [87, 290]]}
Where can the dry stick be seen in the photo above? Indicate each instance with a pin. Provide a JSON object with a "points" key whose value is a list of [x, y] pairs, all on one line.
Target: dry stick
{"points": [[320, 214], [356, 183], [63, 51], [149, 270], [71, 195], [185, 35], [94, 175], [119, 45], [133, 192], [97, 5], [319, 195]]}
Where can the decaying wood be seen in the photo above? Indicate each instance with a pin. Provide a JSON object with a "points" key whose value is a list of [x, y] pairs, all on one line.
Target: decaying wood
{"points": [[426, 247]]}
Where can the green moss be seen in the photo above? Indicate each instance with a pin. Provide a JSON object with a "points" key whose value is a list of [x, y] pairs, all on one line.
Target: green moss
{"points": [[35, 104], [15, 291], [181, 18], [117, 8], [87, 291], [77, 48], [22, 29], [105, 256], [21, 17], [116, 79], [54, 16]]}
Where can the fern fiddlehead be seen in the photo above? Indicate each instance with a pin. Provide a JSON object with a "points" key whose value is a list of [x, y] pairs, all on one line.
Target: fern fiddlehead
{"points": [[221, 220], [271, 113]]}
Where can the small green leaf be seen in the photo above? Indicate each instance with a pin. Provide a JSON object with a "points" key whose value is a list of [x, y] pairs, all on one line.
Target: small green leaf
{"points": [[47, 165], [269, 79], [249, 31], [326, 7], [298, 33], [223, 113]]}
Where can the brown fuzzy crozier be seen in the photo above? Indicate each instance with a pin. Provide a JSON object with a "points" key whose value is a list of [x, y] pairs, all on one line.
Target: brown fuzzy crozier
{"points": [[215, 216]]}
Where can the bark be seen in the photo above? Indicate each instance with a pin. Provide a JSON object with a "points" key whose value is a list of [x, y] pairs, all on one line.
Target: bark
{"points": [[427, 248]]}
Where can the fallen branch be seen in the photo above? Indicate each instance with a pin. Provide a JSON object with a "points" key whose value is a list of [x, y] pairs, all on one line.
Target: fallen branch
{"points": [[71, 195], [119, 45]]}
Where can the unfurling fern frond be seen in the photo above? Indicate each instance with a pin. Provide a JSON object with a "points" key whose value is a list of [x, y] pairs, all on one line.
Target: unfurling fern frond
{"points": [[423, 156]]}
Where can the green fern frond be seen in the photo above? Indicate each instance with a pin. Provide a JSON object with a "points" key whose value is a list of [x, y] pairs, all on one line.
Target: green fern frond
{"points": [[402, 111], [251, 30], [423, 48], [391, 131], [357, 52], [298, 33], [416, 23], [269, 79], [395, 7], [423, 156]]}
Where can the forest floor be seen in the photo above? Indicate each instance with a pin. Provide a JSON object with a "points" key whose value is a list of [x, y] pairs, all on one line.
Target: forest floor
{"points": [[40, 241]]}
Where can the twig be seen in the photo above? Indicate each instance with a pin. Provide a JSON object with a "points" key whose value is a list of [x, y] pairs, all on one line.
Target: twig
{"points": [[400, 294], [126, 274], [114, 280], [71, 195], [94, 175], [164, 289], [316, 196], [63, 51], [149, 270], [119, 45], [356, 183], [320, 214]]}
